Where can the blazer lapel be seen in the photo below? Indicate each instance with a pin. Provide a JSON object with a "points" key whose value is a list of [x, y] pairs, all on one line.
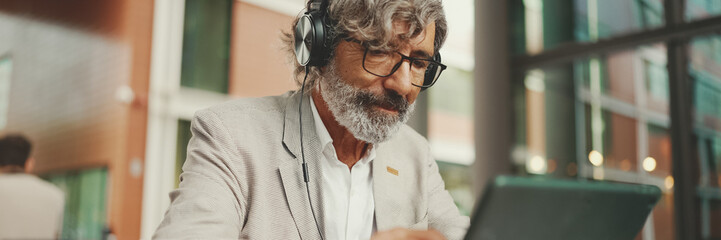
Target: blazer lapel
{"points": [[291, 171], [387, 182]]}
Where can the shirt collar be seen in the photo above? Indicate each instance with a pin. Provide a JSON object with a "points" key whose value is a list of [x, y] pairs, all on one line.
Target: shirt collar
{"points": [[321, 131]]}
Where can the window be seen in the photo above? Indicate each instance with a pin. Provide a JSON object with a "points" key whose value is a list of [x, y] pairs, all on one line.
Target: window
{"points": [[191, 73], [599, 98], [704, 65], [548, 24], [700, 9], [6, 66], [206, 45], [181, 153], [85, 203]]}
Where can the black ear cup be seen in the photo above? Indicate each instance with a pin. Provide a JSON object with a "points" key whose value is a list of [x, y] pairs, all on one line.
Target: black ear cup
{"points": [[311, 38], [432, 72]]}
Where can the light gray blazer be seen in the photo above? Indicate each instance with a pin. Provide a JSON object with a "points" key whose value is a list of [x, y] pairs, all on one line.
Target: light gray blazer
{"points": [[243, 178]]}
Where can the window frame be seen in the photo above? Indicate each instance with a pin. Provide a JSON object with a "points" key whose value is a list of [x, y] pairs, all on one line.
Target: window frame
{"points": [[169, 102]]}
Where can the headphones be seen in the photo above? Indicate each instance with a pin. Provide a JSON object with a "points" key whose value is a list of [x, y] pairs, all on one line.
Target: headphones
{"points": [[311, 49], [313, 39], [312, 35]]}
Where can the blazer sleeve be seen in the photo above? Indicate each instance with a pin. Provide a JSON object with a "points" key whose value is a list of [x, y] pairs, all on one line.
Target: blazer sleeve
{"points": [[207, 203], [443, 215]]}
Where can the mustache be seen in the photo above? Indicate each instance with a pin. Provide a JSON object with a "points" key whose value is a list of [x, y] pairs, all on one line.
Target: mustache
{"points": [[388, 100]]}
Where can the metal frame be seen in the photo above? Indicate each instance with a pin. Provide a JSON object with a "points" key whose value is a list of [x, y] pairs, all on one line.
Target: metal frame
{"points": [[682, 141], [570, 51]]}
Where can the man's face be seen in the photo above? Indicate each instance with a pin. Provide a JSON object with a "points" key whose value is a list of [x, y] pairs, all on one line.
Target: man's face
{"points": [[373, 108], [349, 61]]}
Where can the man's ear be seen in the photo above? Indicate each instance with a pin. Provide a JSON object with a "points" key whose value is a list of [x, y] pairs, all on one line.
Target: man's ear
{"points": [[29, 165]]}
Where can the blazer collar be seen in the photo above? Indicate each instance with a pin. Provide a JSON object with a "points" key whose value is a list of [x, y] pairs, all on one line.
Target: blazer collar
{"points": [[291, 171]]}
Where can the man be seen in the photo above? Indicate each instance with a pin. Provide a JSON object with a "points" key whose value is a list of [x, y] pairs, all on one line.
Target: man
{"points": [[30, 208], [369, 175]]}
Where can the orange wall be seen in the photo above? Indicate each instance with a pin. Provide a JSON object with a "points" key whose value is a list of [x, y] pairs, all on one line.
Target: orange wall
{"points": [[258, 65], [69, 58], [127, 194]]}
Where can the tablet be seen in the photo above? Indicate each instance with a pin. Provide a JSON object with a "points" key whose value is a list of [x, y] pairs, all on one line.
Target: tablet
{"points": [[521, 208]]}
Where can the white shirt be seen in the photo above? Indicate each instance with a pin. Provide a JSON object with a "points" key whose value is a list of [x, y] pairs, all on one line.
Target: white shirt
{"points": [[30, 208], [347, 193]]}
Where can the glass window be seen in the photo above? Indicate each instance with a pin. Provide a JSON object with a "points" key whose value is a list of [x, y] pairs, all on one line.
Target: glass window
{"points": [[616, 143], [6, 65], [546, 24], [603, 117], [705, 62], [699, 9], [619, 102], [658, 161], [450, 117], [181, 149], [656, 84], [85, 203], [625, 96], [704, 65], [206, 45], [450, 133], [546, 132]]}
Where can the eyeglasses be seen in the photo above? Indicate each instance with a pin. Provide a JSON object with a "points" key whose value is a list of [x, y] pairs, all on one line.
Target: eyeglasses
{"points": [[424, 72]]}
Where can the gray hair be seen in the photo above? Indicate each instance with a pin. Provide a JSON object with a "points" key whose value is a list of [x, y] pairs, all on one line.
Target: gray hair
{"points": [[371, 22]]}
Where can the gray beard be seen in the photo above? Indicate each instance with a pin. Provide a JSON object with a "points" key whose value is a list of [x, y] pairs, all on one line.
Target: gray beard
{"points": [[355, 109]]}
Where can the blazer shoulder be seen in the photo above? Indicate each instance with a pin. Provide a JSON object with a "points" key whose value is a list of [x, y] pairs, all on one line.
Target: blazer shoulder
{"points": [[261, 105], [245, 120], [250, 112]]}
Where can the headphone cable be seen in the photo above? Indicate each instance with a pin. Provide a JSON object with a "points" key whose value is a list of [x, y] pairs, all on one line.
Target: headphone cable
{"points": [[302, 152]]}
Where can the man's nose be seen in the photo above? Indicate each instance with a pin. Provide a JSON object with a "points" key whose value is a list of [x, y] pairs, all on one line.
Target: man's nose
{"points": [[400, 81]]}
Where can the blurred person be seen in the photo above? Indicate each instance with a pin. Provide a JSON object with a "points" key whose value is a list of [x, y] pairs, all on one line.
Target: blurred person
{"points": [[335, 159], [30, 208]]}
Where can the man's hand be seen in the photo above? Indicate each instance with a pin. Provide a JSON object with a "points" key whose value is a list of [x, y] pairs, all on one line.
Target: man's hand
{"points": [[407, 234]]}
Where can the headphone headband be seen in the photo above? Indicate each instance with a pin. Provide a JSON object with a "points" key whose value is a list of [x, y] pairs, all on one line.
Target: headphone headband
{"points": [[316, 5]]}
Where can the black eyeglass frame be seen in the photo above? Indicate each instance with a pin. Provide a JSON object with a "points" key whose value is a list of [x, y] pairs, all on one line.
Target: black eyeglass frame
{"points": [[398, 65]]}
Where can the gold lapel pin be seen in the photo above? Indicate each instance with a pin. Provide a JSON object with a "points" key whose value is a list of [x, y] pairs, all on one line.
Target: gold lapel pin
{"points": [[392, 170]]}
